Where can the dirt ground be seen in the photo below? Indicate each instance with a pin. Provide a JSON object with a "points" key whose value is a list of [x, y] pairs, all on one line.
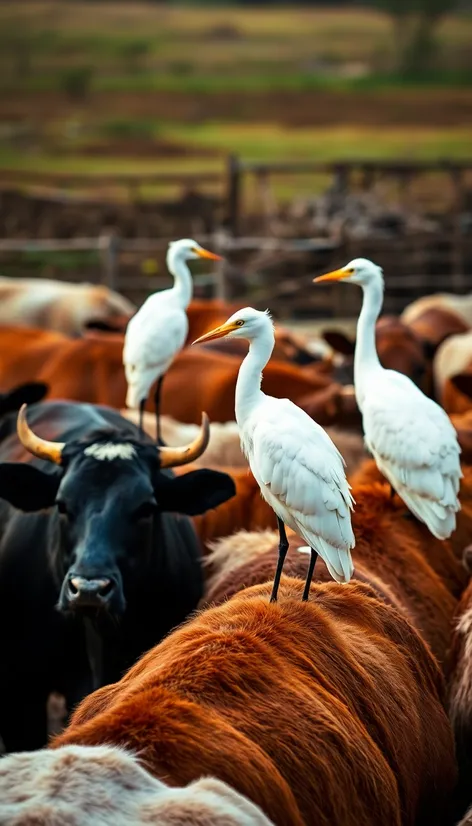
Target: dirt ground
{"points": [[428, 107]]}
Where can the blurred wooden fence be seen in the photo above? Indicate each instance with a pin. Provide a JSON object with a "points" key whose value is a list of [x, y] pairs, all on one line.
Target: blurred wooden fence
{"points": [[269, 270], [345, 174], [272, 272]]}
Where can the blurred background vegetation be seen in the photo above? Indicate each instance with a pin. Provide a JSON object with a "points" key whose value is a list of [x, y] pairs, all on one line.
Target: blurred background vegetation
{"points": [[134, 86]]}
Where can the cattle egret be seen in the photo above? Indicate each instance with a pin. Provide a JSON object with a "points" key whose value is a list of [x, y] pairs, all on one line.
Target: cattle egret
{"points": [[296, 465], [158, 331], [411, 438]]}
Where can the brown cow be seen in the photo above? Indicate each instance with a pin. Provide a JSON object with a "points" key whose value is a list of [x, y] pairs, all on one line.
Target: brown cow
{"points": [[436, 317], [368, 473], [204, 316], [323, 712], [399, 348], [91, 369], [422, 573], [23, 353], [460, 687]]}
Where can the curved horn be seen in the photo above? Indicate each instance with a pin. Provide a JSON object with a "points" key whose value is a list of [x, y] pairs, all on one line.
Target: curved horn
{"points": [[174, 456], [52, 451]]}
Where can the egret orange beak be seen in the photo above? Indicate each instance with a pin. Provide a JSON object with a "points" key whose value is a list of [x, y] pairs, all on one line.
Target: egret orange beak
{"points": [[207, 254], [336, 275], [218, 332]]}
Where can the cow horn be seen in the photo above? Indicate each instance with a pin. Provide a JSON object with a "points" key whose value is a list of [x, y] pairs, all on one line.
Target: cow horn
{"points": [[174, 456], [52, 451]]}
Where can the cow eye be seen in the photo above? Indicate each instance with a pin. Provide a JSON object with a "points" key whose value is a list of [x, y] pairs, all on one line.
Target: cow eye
{"points": [[145, 511]]}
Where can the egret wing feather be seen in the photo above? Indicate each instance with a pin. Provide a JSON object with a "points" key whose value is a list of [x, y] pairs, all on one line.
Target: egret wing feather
{"points": [[415, 447], [301, 474]]}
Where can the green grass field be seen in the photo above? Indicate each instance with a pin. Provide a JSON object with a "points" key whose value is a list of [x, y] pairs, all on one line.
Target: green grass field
{"points": [[179, 88], [151, 47]]}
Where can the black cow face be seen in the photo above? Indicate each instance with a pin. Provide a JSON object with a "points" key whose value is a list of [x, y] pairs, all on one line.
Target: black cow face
{"points": [[109, 495]]}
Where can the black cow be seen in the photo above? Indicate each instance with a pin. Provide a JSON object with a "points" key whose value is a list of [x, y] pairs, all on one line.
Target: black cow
{"points": [[98, 564]]}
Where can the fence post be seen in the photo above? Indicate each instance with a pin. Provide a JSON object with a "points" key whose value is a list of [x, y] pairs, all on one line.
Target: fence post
{"points": [[233, 193], [108, 246], [457, 248]]}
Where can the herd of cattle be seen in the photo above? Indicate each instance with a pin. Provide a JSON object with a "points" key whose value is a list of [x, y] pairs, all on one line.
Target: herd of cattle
{"points": [[135, 582]]}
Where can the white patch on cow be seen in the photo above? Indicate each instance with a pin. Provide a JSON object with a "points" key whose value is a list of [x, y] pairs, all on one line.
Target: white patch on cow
{"points": [[108, 451]]}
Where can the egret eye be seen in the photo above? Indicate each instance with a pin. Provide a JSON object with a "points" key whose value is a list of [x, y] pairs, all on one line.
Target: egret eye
{"points": [[239, 323], [351, 271]]}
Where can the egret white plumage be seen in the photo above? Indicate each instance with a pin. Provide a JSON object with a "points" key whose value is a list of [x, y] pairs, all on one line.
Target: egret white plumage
{"points": [[299, 470], [411, 438], [158, 331]]}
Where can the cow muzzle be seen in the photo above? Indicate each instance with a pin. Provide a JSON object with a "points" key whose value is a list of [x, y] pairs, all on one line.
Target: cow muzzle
{"points": [[81, 592]]}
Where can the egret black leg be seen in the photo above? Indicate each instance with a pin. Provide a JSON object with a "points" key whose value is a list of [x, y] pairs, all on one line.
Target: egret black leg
{"points": [[157, 401], [283, 548], [142, 405], [311, 568]]}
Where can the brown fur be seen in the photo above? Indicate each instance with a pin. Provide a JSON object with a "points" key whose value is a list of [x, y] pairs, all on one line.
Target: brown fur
{"points": [[90, 369], [456, 392], [394, 553], [79, 786], [23, 353], [434, 324], [460, 686], [368, 473], [322, 712]]}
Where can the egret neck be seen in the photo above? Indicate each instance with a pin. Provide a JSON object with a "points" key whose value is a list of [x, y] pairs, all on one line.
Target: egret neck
{"points": [[183, 284], [248, 385], [366, 360]]}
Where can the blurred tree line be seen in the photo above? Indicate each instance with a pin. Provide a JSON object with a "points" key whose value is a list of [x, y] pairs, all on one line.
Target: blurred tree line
{"points": [[414, 24]]}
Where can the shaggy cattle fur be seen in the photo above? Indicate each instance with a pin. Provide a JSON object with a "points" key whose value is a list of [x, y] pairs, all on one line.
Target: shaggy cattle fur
{"points": [[58, 305], [90, 369], [368, 474], [321, 712], [399, 348], [23, 353], [393, 552], [107, 786], [460, 684]]}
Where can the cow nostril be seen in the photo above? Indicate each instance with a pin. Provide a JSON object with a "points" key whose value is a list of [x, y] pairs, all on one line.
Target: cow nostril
{"points": [[84, 587], [106, 586]]}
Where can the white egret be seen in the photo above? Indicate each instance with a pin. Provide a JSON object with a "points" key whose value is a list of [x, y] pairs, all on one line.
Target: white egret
{"points": [[411, 438], [299, 470], [158, 331]]}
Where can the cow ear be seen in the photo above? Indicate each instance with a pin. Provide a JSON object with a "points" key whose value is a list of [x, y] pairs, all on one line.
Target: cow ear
{"points": [[29, 393], [339, 342], [27, 488], [463, 383], [195, 492]]}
